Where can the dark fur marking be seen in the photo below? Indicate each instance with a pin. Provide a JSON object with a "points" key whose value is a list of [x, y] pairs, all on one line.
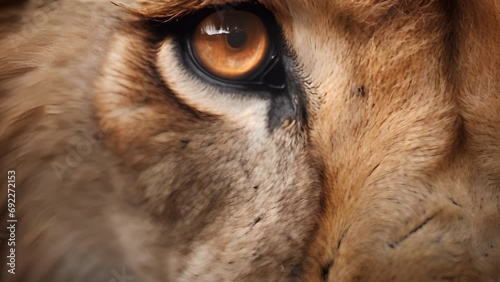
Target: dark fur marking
{"points": [[325, 271], [414, 230]]}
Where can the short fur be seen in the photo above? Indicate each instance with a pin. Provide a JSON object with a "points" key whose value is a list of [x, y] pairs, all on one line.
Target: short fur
{"points": [[127, 164]]}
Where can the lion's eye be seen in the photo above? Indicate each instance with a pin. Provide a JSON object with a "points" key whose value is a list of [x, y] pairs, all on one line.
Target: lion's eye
{"points": [[231, 44], [238, 47]]}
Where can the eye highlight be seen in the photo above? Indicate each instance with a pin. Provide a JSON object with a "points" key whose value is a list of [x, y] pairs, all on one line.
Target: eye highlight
{"points": [[231, 44]]}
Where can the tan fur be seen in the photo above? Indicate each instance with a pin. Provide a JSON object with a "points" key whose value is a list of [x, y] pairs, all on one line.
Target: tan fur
{"points": [[394, 177], [410, 162]]}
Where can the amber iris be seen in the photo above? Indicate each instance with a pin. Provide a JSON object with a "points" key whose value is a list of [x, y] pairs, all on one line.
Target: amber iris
{"points": [[231, 44]]}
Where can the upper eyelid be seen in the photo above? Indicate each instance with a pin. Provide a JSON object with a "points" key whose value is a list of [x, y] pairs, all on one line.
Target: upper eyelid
{"points": [[168, 12]]}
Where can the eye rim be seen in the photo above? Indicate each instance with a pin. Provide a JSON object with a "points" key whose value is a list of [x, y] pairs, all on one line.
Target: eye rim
{"points": [[256, 79]]}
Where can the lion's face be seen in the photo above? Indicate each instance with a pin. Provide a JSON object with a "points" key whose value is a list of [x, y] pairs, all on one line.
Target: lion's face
{"points": [[280, 140]]}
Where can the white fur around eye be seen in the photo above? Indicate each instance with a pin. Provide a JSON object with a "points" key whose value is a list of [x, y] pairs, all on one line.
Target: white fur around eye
{"points": [[244, 110]]}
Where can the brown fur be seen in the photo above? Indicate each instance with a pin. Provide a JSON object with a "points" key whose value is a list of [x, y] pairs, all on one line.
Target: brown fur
{"points": [[181, 183]]}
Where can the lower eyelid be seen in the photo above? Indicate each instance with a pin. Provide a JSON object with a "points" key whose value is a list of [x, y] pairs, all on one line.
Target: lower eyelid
{"points": [[205, 97], [265, 108], [244, 86]]}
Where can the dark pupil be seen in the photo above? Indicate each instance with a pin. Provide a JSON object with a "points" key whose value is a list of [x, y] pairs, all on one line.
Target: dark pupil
{"points": [[236, 38]]}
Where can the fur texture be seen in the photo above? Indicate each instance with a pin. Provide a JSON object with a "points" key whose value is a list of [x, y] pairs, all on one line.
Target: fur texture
{"points": [[127, 163]]}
